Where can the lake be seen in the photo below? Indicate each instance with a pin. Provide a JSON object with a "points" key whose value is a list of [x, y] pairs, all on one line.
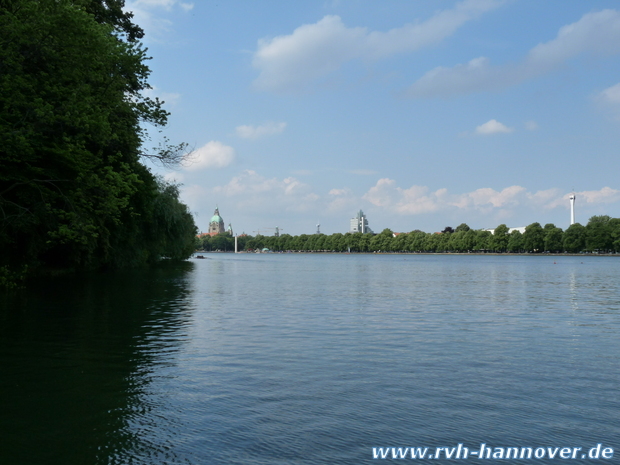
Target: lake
{"points": [[311, 359]]}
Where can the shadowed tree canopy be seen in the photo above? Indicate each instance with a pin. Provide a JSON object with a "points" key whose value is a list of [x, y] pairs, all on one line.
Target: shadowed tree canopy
{"points": [[73, 192]]}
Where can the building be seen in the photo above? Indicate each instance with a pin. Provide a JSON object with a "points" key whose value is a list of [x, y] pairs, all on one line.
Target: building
{"points": [[521, 229], [216, 225], [360, 224]]}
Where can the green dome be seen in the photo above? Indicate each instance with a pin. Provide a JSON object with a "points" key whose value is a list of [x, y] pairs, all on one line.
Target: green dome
{"points": [[216, 218]]}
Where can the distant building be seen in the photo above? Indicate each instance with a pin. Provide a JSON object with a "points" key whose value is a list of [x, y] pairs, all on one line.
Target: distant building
{"points": [[521, 229], [360, 223], [216, 225]]}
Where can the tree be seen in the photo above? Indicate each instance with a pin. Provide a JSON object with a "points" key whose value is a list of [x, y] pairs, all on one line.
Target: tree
{"points": [[481, 240], [614, 225], [499, 240], [431, 242], [554, 239], [111, 12], [534, 238], [400, 243], [462, 227], [382, 241], [72, 190], [416, 241], [456, 242], [574, 238], [604, 219], [515, 241], [598, 234]]}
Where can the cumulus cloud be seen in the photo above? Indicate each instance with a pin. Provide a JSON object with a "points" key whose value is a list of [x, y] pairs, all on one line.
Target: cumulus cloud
{"points": [[213, 154], [419, 199], [254, 132], [194, 196], [290, 63], [549, 198], [413, 200], [611, 94], [492, 127], [487, 197], [595, 34], [604, 195], [341, 200], [255, 190]]}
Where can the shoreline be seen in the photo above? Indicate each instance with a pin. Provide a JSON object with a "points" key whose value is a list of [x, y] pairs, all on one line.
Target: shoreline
{"points": [[509, 254]]}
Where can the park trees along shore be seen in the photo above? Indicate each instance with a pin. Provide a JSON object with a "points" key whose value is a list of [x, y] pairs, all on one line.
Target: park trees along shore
{"points": [[74, 193], [600, 235]]}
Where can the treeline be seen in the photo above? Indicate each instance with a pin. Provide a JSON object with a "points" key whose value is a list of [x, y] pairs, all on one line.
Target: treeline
{"points": [[74, 192], [601, 234]]}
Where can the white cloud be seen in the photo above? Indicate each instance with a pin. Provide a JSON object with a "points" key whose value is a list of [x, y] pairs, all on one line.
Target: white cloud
{"points": [[596, 34], [253, 191], [341, 200], [604, 195], [611, 94], [487, 197], [418, 199], [549, 198], [213, 154], [531, 125], [492, 127], [194, 196], [254, 132], [260, 198], [174, 177], [292, 62], [380, 194]]}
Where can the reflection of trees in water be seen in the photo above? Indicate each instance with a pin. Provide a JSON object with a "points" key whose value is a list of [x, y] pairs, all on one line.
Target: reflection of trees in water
{"points": [[77, 353]]}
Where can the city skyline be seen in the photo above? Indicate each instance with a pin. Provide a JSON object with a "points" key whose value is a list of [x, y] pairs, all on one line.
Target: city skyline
{"points": [[422, 115]]}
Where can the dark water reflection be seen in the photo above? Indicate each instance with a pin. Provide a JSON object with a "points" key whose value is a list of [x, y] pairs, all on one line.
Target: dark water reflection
{"points": [[303, 359], [77, 356]]}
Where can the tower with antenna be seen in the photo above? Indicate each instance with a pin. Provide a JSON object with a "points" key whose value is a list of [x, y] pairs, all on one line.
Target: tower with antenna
{"points": [[318, 228], [572, 208]]}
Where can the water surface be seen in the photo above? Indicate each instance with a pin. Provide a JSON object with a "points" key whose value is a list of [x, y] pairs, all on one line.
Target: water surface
{"points": [[310, 359]]}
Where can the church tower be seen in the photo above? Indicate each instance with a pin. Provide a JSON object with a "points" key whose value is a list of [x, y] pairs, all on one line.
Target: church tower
{"points": [[216, 225]]}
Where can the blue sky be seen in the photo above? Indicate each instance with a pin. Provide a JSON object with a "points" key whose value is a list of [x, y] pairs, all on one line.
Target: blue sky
{"points": [[424, 114]]}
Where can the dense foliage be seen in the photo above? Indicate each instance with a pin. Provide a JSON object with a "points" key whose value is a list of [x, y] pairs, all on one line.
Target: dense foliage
{"points": [[73, 190], [601, 235]]}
